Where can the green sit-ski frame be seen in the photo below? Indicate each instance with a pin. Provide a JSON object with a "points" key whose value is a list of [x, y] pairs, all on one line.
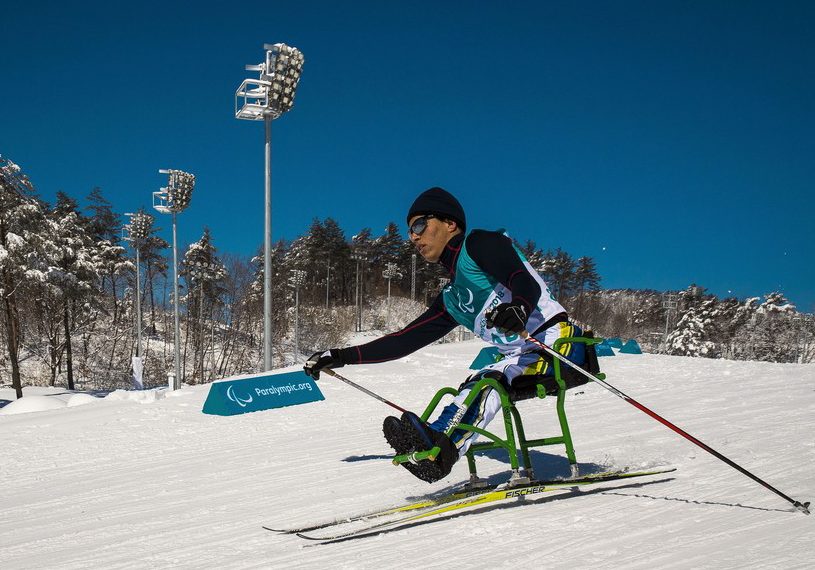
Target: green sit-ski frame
{"points": [[510, 444]]}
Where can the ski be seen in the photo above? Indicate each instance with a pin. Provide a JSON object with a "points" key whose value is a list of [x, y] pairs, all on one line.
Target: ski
{"points": [[417, 505], [454, 496], [472, 499], [521, 491]]}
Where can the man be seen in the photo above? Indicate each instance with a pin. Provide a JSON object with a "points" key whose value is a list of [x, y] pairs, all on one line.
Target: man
{"points": [[494, 292]]}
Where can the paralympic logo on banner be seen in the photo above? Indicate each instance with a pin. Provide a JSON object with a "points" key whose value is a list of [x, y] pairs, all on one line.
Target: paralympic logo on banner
{"points": [[243, 394], [242, 402]]}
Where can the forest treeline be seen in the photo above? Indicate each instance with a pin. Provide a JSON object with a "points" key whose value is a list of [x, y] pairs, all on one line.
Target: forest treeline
{"points": [[68, 280]]}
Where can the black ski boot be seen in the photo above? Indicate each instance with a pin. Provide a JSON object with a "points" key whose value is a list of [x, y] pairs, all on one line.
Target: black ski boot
{"points": [[411, 434]]}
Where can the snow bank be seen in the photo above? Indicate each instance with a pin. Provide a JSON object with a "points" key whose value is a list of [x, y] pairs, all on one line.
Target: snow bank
{"points": [[37, 399], [140, 396], [28, 404]]}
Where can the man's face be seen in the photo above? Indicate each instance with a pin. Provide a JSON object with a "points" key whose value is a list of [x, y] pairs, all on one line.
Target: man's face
{"points": [[430, 243]]}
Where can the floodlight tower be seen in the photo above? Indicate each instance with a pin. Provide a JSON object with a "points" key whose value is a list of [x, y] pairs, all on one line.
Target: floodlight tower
{"points": [[297, 279], [391, 271], [413, 277], [669, 303], [265, 99], [172, 199], [137, 232], [360, 255]]}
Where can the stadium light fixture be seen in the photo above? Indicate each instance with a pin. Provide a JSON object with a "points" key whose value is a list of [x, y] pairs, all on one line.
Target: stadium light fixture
{"points": [[297, 279], [669, 303], [136, 232], [265, 99], [359, 255], [173, 199], [391, 271]]}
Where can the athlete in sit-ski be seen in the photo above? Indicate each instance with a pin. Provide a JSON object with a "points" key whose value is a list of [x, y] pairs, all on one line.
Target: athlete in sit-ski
{"points": [[495, 293]]}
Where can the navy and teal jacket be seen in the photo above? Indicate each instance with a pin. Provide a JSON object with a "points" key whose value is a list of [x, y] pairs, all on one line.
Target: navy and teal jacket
{"points": [[485, 269]]}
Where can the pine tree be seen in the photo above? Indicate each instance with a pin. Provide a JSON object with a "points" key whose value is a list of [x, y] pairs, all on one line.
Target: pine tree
{"points": [[533, 255], [560, 268], [586, 279], [23, 266], [156, 266], [74, 270], [773, 333], [692, 335], [205, 276], [102, 222], [385, 249], [336, 259], [361, 252]]}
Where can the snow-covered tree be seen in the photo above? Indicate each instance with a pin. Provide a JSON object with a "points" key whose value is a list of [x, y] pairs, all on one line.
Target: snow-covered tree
{"points": [[155, 266], [692, 335], [104, 227], [772, 332], [102, 222], [337, 257], [533, 255], [586, 279], [23, 267], [205, 276], [559, 268], [385, 248], [74, 271]]}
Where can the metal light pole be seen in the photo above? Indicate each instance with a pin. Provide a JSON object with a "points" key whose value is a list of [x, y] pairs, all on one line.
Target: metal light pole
{"points": [[298, 277], [327, 282], [797, 321], [669, 301], [172, 199], [356, 294], [360, 257], [265, 99], [391, 271], [413, 277], [137, 232]]}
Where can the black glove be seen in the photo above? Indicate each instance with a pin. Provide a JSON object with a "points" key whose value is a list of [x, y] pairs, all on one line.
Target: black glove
{"points": [[508, 317], [320, 360]]}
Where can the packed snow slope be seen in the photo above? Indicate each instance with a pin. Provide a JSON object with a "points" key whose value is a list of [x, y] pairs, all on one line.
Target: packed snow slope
{"points": [[148, 481]]}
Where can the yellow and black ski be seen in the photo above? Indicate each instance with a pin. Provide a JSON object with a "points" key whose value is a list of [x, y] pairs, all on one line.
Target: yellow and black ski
{"points": [[454, 501]]}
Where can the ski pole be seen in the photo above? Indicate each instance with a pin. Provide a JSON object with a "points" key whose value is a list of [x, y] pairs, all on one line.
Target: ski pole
{"points": [[361, 389], [803, 507]]}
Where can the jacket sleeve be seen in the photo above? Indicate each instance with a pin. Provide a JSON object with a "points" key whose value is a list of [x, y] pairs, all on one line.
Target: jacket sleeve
{"points": [[495, 254], [429, 327]]}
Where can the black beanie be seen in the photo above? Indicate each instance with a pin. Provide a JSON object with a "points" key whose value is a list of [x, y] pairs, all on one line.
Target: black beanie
{"points": [[441, 203]]}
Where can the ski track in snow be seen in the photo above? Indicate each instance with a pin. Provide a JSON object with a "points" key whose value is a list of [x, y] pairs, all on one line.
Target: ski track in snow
{"points": [[120, 483]]}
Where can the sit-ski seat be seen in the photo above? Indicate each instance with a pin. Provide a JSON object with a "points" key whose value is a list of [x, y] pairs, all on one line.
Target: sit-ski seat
{"points": [[564, 378]]}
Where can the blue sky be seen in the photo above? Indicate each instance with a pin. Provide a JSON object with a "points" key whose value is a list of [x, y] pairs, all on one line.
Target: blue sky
{"points": [[671, 141]]}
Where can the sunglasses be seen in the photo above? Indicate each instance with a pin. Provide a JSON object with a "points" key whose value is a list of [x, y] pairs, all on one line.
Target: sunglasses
{"points": [[419, 225]]}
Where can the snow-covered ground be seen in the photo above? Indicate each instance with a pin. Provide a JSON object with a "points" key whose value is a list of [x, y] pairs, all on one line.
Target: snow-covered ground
{"points": [[147, 481]]}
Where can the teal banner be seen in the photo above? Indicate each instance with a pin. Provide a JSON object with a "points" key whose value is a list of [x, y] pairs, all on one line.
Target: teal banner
{"points": [[244, 394]]}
